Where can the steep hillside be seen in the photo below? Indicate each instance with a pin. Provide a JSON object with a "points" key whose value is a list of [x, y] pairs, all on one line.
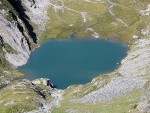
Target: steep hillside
{"points": [[24, 23], [15, 46]]}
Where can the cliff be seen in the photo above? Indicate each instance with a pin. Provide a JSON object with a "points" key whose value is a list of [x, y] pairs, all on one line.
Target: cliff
{"points": [[22, 22]]}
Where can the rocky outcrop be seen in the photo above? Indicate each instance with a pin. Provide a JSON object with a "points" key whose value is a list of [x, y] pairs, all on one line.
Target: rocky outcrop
{"points": [[37, 11], [44, 82]]}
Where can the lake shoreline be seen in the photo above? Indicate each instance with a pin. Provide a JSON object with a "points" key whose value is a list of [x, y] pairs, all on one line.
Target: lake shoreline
{"points": [[76, 39]]}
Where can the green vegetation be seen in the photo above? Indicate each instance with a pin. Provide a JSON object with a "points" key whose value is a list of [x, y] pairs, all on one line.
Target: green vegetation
{"points": [[77, 16], [120, 105], [6, 5], [21, 100], [21, 96], [7, 72]]}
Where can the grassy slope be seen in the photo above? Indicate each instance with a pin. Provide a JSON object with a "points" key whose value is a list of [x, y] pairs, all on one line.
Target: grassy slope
{"points": [[7, 72], [120, 105], [20, 96], [63, 23], [20, 102]]}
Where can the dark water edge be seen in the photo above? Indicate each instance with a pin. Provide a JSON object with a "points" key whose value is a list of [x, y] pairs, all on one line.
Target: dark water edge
{"points": [[88, 61]]}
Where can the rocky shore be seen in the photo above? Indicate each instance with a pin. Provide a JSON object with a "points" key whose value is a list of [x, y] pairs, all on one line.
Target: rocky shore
{"points": [[132, 75]]}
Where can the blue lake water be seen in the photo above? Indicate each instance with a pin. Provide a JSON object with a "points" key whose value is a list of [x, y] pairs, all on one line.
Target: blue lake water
{"points": [[73, 61]]}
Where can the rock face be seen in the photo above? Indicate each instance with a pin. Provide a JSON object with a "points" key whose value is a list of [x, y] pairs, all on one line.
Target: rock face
{"points": [[18, 32], [37, 11], [40, 81], [12, 36]]}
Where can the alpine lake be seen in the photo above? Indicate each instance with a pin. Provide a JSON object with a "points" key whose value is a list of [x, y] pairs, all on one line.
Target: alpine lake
{"points": [[73, 61]]}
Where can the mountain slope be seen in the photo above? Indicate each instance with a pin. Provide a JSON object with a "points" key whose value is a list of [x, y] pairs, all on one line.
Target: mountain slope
{"points": [[25, 22]]}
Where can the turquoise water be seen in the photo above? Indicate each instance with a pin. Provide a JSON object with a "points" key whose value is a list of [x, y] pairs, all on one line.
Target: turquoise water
{"points": [[73, 61]]}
